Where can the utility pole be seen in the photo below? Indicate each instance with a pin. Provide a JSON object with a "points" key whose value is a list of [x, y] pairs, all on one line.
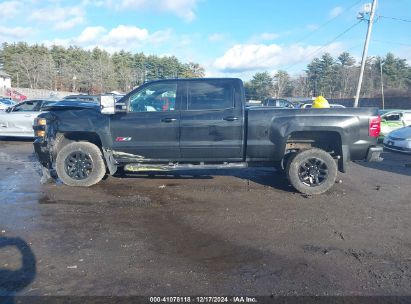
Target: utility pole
{"points": [[365, 51], [382, 85]]}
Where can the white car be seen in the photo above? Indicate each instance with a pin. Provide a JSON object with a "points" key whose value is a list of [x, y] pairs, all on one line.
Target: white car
{"points": [[17, 121], [332, 106], [393, 120], [399, 140]]}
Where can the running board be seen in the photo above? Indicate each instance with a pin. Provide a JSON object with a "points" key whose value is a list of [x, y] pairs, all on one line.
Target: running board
{"points": [[176, 166]]}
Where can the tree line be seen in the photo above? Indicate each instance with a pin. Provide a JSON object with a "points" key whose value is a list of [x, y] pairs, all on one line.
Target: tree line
{"points": [[95, 71], [91, 71], [335, 78]]}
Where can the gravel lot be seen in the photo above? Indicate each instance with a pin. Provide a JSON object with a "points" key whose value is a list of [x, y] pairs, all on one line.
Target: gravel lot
{"points": [[204, 233]]}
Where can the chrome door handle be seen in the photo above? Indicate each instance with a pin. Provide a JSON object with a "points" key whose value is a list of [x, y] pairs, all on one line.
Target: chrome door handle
{"points": [[230, 118], [168, 119]]}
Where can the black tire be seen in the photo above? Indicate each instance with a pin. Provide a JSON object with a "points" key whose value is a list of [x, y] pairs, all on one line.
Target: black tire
{"points": [[80, 164], [312, 171]]}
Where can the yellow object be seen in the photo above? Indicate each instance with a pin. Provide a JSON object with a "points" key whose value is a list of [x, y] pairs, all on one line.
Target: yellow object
{"points": [[320, 102]]}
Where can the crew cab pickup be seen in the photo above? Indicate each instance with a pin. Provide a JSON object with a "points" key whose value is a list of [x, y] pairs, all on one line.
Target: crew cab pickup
{"points": [[202, 123]]}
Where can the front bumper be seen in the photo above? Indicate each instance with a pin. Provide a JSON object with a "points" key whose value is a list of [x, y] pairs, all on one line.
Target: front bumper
{"points": [[373, 154], [398, 148], [43, 153]]}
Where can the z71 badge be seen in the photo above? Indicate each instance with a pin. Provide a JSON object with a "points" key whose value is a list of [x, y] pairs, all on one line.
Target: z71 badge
{"points": [[123, 139]]}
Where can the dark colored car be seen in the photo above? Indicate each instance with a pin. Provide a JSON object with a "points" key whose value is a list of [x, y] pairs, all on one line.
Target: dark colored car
{"points": [[278, 103], [202, 123], [83, 98]]}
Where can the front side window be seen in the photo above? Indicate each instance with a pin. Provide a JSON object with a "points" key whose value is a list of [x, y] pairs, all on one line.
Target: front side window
{"points": [[26, 106], [210, 96], [158, 97]]}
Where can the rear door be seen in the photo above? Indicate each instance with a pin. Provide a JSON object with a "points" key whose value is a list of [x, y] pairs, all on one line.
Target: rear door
{"points": [[211, 127], [150, 128]]}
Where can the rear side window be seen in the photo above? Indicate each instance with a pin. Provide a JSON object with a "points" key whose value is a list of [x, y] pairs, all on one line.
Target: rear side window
{"points": [[210, 95]]}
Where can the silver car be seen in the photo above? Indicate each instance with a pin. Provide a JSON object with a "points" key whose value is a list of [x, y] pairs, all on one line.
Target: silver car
{"points": [[17, 121], [399, 140]]}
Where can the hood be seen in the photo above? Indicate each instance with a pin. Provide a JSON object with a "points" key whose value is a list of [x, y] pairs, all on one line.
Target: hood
{"points": [[402, 133], [71, 105]]}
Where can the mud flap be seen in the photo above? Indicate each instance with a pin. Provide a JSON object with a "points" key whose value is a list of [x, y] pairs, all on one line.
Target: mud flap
{"points": [[342, 162], [110, 161]]}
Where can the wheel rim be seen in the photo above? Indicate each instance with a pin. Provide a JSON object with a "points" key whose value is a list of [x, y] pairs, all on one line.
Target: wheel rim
{"points": [[313, 172], [78, 165]]}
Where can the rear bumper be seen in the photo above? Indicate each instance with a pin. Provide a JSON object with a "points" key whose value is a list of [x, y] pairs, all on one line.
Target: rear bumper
{"points": [[373, 154], [43, 154]]}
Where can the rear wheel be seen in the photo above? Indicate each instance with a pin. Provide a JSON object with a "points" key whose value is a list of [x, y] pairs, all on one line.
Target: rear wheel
{"points": [[80, 164], [312, 171]]}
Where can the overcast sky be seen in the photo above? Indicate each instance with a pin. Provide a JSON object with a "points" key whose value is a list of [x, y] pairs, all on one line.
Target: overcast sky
{"points": [[228, 37]]}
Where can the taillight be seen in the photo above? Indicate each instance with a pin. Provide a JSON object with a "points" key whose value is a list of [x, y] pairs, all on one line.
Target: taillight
{"points": [[375, 126]]}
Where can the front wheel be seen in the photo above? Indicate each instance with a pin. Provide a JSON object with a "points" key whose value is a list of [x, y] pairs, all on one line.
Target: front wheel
{"points": [[80, 164], [312, 171]]}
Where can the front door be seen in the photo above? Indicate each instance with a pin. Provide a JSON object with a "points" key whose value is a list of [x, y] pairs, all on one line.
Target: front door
{"points": [[150, 128]]}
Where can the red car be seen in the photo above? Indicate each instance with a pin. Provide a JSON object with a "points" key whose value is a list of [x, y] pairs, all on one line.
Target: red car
{"points": [[15, 95]]}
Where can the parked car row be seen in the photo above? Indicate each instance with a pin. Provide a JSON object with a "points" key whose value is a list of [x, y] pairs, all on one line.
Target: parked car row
{"points": [[16, 120], [284, 103]]}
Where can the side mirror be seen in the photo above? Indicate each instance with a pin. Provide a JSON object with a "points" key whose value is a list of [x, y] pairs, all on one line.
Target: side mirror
{"points": [[107, 104]]}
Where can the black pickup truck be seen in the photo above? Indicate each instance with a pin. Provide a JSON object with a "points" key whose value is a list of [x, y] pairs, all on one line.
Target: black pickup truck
{"points": [[202, 123]]}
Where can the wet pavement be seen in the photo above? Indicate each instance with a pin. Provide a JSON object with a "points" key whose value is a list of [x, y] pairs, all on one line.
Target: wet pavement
{"points": [[223, 232]]}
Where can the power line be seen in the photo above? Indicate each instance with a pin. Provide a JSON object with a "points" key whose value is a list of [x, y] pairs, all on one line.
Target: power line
{"points": [[391, 42], [325, 45], [328, 22], [394, 18]]}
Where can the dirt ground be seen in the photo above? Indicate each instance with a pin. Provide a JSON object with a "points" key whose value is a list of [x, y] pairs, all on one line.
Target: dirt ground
{"points": [[204, 233]]}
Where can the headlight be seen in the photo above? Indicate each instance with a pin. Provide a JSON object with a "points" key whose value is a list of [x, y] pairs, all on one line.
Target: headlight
{"points": [[41, 122], [40, 133], [39, 127]]}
